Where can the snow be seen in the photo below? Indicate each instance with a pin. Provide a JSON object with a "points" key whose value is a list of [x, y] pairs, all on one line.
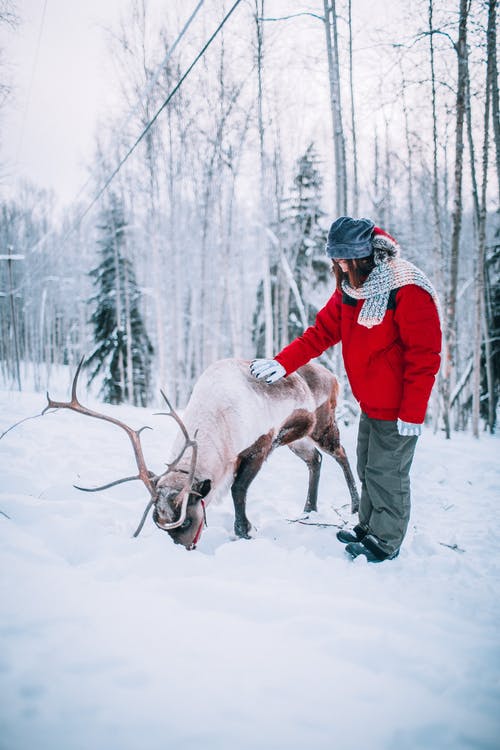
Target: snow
{"points": [[277, 642]]}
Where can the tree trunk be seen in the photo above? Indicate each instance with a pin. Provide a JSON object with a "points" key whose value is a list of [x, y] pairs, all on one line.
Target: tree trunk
{"points": [[118, 310], [266, 260], [339, 164], [176, 310], [482, 214], [409, 156], [355, 187], [450, 327], [388, 178], [128, 338], [378, 197], [157, 266], [493, 84], [438, 235], [480, 225], [439, 250]]}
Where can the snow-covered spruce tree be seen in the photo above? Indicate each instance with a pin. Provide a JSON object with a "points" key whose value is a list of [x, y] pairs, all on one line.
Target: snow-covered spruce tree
{"points": [[123, 350], [303, 242], [300, 270]]}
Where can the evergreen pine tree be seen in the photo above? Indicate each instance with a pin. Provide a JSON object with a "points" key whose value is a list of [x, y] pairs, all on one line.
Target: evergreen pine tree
{"points": [[302, 240], [119, 331]]}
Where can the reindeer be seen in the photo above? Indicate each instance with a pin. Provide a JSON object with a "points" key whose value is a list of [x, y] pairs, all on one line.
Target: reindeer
{"points": [[231, 424]]}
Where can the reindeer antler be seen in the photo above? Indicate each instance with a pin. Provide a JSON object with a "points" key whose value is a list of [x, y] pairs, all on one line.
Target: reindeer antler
{"points": [[149, 479], [188, 443], [134, 435], [186, 488]]}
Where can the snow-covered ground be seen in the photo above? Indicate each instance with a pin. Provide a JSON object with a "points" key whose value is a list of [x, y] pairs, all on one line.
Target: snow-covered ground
{"points": [[279, 643]]}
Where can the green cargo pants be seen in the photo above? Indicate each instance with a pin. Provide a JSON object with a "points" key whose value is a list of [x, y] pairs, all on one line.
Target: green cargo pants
{"points": [[384, 461]]}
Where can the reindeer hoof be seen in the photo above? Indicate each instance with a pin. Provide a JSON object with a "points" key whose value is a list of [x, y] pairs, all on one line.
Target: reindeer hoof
{"points": [[243, 530]]}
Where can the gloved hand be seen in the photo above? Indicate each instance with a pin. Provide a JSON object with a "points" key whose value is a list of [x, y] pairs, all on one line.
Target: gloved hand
{"points": [[267, 369], [408, 429]]}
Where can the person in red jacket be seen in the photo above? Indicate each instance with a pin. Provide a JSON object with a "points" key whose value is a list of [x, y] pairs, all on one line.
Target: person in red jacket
{"points": [[385, 313]]}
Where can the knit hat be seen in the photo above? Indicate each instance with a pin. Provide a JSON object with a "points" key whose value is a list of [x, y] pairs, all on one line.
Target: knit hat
{"points": [[350, 238], [384, 246]]}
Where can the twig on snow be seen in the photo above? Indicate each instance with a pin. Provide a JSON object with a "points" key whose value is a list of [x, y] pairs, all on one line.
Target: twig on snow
{"points": [[4, 514], [454, 547], [340, 514], [305, 522]]}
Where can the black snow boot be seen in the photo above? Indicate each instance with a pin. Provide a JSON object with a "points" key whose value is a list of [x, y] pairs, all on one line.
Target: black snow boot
{"points": [[356, 535], [371, 549]]}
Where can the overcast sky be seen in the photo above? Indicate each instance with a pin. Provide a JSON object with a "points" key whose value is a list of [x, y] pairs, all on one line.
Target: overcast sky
{"points": [[59, 93], [49, 125]]}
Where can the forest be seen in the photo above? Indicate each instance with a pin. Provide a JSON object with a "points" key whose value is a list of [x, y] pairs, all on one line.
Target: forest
{"points": [[241, 131]]}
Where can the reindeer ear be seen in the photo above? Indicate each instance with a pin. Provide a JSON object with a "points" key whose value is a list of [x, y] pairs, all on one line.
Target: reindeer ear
{"points": [[201, 489]]}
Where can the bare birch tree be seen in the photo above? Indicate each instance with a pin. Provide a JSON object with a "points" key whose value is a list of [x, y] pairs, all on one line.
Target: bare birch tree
{"points": [[450, 322], [493, 85], [355, 185], [339, 163], [264, 244], [481, 328]]}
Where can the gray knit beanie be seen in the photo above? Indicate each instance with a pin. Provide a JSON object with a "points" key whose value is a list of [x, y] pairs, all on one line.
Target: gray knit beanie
{"points": [[350, 238]]}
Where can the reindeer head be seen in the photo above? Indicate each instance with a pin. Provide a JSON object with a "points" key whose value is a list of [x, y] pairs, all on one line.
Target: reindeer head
{"points": [[180, 510], [177, 497]]}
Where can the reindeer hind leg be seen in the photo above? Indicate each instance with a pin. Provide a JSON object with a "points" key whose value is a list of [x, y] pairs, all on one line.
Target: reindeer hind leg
{"points": [[329, 442], [306, 450]]}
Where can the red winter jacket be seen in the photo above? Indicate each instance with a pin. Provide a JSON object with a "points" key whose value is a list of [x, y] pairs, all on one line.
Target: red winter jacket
{"points": [[391, 367]]}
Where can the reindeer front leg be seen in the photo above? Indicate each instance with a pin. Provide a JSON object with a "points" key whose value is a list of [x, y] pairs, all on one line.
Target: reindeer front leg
{"points": [[249, 465]]}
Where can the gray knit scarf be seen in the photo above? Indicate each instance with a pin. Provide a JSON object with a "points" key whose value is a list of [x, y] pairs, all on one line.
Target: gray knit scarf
{"points": [[387, 275]]}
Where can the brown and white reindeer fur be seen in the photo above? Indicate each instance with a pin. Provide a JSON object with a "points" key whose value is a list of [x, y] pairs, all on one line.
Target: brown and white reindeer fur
{"points": [[238, 421]]}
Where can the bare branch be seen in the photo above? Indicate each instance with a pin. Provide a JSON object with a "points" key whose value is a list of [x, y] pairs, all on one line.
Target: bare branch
{"points": [[8, 14], [438, 32], [315, 523], [294, 15]]}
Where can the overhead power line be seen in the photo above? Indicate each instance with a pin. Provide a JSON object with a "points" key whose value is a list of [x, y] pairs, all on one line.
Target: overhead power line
{"points": [[32, 79], [80, 218], [153, 119], [162, 66], [151, 84]]}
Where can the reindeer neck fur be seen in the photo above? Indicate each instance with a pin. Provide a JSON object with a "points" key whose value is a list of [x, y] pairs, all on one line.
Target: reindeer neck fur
{"points": [[230, 409]]}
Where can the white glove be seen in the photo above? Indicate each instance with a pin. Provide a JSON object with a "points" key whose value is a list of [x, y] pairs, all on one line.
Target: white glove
{"points": [[409, 429], [267, 369]]}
